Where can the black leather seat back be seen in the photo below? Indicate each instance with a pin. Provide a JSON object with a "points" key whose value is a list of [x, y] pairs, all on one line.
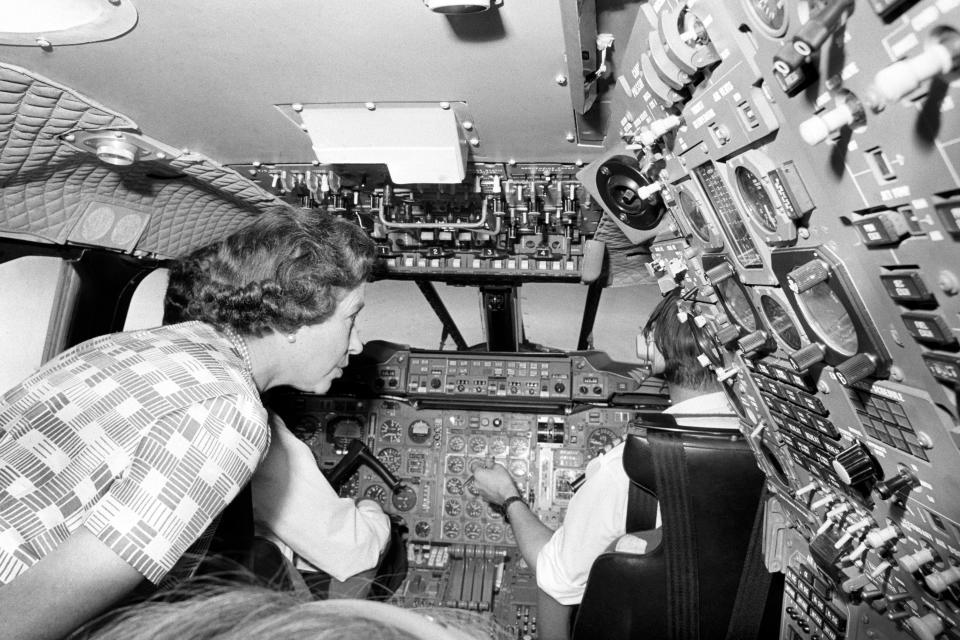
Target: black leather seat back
{"points": [[626, 595]]}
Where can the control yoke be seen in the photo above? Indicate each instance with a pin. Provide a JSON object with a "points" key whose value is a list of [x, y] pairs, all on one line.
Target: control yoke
{"points": [[358, 453]]}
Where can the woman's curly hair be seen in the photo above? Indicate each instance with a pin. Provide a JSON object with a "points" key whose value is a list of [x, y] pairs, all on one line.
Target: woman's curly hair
{"points": [[282, 272], [678, 345]]}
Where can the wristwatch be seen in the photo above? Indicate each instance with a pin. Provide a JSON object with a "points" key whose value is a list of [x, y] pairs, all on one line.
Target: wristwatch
{"points": [[506, 505]]}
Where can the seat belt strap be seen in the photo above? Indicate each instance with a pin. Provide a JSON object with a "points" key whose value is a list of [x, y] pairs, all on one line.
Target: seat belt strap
{"points": [[679, 535], [754, 587]]}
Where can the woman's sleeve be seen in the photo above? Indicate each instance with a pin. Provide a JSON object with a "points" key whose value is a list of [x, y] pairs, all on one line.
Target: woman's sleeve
{"points": [[186, 470], [293, 499]]}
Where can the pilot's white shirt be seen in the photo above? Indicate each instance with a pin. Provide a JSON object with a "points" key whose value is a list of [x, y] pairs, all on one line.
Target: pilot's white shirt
{"points": [[597, 513], [295, 506]]}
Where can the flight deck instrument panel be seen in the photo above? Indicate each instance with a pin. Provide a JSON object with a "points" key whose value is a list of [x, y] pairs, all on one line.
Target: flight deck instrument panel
{"points": [[806, 155], [543, 416]]}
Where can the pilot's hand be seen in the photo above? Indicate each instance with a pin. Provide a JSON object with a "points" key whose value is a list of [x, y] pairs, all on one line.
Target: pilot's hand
{"points": [[494, 483]]}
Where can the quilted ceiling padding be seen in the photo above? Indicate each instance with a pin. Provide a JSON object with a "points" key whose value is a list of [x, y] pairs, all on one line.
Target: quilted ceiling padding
{"points": [[45, 183]]}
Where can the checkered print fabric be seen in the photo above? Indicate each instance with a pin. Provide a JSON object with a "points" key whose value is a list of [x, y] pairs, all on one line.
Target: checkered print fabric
{"points": [[141, 437]]}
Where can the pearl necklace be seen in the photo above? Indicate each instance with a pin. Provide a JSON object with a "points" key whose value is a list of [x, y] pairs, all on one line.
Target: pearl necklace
{"points": [[241, 346]]}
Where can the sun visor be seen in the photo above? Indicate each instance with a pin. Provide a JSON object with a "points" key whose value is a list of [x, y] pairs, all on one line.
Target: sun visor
{"points": [[420, 143]]}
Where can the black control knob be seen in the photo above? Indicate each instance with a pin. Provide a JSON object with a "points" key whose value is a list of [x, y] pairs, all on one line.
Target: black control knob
{"points": [[854, 465], [897, 486], [808, 275], [755, 344], [805, 357], [727, 334], [815, 32], [857, 368]]}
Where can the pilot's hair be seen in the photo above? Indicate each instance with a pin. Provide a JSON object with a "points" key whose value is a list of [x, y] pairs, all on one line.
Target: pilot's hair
{"points": [[281, 272], [253, 612], [677, 343]]}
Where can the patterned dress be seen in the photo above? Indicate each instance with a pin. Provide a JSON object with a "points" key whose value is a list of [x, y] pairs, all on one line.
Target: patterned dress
{"points": [[142, 438]]}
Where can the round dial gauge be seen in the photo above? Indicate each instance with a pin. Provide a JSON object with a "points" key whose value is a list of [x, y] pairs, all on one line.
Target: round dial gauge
{"points": [[474, 508], [419, 431], [478, 445], [518, 469], [456, 464], [519, 446], [780, 322], [494, 531], [451, 529], [390, 431], [493, 513], [452, 507], [598, 439], [829, 319], [376, 492], [422, 529], [455, 486], [757, 201], [498, 446], [737, 304], [456, 443], [693, 211], [471, 486], [472, 531], [770, 14], [404, 498], [390, 457]]}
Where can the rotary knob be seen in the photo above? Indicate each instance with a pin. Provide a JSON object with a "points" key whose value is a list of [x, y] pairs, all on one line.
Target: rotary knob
{"points": [[808, 275], [805, 357], [896, 486], [857, 368], [916, 561], [854, 466], [877, 538], [727, 334], [720, 273], [905, 76], [753, 344]]}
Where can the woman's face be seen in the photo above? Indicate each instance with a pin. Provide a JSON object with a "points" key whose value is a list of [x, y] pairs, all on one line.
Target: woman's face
{"points": [[324, 349]]}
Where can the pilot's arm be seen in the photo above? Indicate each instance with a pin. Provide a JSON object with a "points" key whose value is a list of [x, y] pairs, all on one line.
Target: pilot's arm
{"points": [[292, 498]]}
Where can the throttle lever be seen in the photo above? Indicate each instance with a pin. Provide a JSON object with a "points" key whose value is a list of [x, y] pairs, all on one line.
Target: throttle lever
{"points": [[358, 453]]}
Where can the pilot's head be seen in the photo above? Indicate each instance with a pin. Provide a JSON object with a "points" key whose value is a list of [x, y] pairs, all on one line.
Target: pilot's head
{"points": [[677, 358]]}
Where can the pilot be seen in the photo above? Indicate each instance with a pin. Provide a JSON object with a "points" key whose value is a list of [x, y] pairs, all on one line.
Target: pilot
{"points": [[119, 453], [596, 516]]}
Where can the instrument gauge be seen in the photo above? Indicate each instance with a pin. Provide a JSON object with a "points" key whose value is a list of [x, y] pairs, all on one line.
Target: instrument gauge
{"points": [[456, 443], [494, 531], [475, 509], [451, 529], [519, 446], [390, 431], [498, 446], [518, 469], [771, 15], [472, 531], [456, 464], [390, 457], [471, 486], [455, 486], [422, 529], [478, 445], [419, 431], [452, 507], [693, 211], [376, 492], [737, 304], [756, 199], [598, 440], [828, 317], [780, 322], [404, 498]]}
